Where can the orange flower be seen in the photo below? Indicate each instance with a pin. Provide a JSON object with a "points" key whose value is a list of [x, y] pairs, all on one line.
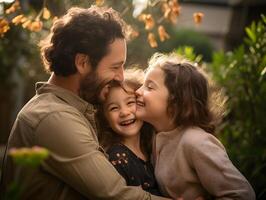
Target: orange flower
{"points": [[46, 13], [175, 7], [19, 19], [15, 6], [3, 22], [149, 22], [26, 24], [176, 10], [4, 27], [171, 10], [167, 13], [99, 2], [152, 41], [166, 10], [173, 18], [198, 17], [164, 7], [142, 17], [132, 32], [35, 26], [162, 33]]}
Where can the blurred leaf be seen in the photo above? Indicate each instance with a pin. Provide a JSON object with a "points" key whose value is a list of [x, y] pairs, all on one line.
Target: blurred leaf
{"points": [[263, 71], [31, 157], [188, 53], [263, 18], [251, 34]]}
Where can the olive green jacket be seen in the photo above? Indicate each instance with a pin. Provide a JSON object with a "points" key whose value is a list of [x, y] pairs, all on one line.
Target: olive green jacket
{"points": [[77, 168]]}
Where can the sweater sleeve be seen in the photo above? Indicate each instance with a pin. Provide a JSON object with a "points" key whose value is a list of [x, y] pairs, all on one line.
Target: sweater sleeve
{"points": [[216, 172]]}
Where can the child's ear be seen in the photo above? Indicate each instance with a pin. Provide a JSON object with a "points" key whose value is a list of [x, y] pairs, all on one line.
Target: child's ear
{"points": [[82, 63]]}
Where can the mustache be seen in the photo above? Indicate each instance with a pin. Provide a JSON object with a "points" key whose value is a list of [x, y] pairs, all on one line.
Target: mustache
{"points": [[91, 87]]}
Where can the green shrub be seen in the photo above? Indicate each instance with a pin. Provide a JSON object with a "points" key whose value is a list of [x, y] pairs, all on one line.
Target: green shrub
{"points": [[185, 37], [242, 74]]}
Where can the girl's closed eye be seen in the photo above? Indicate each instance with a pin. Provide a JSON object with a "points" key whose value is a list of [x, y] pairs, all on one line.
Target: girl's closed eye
{"points": [[113, 108], [149, 86], [131, 102]]}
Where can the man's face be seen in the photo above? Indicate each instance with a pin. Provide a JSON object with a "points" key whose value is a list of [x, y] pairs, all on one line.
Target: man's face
{"points": [[111, 67]]}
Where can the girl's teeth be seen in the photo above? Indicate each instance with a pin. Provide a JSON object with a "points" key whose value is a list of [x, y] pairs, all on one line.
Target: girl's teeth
{"points": [[127, 122]]}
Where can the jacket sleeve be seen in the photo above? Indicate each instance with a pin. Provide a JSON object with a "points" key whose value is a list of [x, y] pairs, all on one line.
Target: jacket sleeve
{"points": [[215, 170], [77, 159]]}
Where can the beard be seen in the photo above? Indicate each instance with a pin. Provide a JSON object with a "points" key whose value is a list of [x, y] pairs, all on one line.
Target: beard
{"points": [[91, 87]]}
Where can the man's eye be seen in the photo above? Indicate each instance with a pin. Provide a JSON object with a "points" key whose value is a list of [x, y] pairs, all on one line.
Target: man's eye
{"points": [[116, 67]]}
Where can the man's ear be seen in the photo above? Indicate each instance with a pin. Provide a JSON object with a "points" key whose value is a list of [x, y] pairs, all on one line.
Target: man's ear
{"points": [[82, 63]]}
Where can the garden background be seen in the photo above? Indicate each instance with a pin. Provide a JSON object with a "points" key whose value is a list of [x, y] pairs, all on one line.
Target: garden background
{"points": [[227, 37]]}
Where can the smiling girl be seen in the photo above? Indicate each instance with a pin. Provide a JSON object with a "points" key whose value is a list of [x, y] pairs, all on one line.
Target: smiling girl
{"points": [[189, 160], [127, 139]]}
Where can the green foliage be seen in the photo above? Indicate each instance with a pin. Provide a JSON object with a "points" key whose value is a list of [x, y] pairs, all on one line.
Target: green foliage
{"points": [[29, 157], [13, 48], [13, 192], [19, 55], [242, 74], [186, 37], [188, 53]]}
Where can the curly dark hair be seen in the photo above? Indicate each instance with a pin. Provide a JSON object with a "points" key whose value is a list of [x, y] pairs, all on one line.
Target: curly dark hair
{"points": [[87, 31], [193, 99]]}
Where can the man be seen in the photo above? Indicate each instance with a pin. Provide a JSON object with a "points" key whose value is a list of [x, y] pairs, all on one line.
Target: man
{"points": [[84, 52]]}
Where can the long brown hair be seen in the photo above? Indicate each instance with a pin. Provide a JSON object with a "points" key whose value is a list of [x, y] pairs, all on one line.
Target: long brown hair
{"points": [[134, 78], [192, 100]]}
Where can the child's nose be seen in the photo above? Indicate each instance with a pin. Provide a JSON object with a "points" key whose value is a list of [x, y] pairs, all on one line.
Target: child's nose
{"points": [[124, 112], [139, 91]]}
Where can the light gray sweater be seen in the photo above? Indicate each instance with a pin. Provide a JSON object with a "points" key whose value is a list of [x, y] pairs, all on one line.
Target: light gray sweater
{"points": [[191, 163]]}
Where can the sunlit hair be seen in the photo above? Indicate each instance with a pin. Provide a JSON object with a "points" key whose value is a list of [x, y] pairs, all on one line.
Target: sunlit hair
{"points": [[193, 99], [134, 78], [87, 31]]}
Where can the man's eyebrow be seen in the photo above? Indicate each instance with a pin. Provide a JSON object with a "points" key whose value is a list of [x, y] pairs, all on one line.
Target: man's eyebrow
{"points": [[118, 63]]}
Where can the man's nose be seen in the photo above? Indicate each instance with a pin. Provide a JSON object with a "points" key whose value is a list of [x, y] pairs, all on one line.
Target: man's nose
{"points": [[119, 75]]}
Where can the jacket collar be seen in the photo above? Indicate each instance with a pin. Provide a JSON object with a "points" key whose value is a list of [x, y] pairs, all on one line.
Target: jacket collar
{"points": [[66, 95]]}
